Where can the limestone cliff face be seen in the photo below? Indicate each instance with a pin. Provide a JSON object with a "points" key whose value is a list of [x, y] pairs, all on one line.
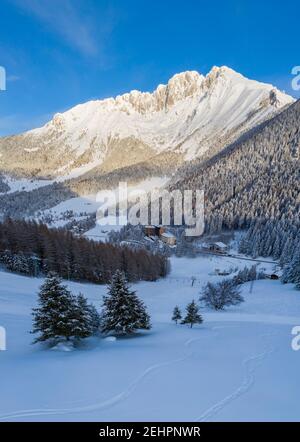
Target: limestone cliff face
{"points": [[188, 116]]}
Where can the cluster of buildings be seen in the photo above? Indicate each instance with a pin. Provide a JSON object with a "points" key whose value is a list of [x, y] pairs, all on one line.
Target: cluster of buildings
{"points": [[160, 232], [155, 232], [215, 247]]}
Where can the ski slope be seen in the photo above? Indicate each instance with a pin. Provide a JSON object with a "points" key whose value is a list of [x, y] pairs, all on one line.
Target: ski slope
{"points": [[238, 365]]}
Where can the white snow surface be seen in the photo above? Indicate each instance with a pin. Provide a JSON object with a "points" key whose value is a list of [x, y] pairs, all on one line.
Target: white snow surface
{"points": [[238, 365], [24, 184], [89, 204]]}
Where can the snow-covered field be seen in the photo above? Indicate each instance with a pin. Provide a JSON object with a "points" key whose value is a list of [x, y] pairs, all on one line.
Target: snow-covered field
{"points": [[237, 365], [24, 184], [82, 206]]}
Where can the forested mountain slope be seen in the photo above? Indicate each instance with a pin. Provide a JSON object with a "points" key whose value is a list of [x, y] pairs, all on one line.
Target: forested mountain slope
{"points": [[256, 178]]}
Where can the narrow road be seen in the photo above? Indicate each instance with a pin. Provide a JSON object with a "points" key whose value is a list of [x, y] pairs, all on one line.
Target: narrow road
{"points": [[228, 255]]}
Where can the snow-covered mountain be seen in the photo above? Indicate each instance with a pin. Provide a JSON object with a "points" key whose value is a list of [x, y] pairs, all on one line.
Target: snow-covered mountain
{"points": [[187, 117]]}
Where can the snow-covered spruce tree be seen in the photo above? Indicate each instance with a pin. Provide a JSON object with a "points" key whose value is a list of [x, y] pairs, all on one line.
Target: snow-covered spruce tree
{"points": [[85, 320], [245, 245], [287, 252], [252, 273], [57, 315], [221, 295], [94, 318], [192, 315], [245, 275], [241, 277], [176, 314], [123, 312], [277, 238], [291, 272]]}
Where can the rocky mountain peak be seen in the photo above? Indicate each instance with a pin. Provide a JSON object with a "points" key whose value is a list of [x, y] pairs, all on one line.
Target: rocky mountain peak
{"points": [[189, 116]]}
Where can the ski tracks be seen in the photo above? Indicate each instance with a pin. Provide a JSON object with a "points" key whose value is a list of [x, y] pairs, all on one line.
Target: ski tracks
{"points": [[114, 400], [250, 365]]}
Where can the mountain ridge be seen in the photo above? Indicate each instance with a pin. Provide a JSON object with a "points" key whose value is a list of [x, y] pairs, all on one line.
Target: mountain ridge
{"points": [[189, 116]]}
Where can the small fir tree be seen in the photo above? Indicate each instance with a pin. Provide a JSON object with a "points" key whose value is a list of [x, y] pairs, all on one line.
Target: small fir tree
{"points": [[83, 326], [123, 312], [56, 315], [176, 315], [94, 318], [192, 315]]}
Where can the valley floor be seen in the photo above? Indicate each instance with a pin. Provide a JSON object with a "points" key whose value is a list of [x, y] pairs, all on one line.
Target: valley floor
{"points": [[238, 365]]}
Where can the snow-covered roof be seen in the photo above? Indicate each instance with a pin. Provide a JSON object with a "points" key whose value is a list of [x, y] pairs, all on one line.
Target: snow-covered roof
{"points": [[168, 235], [152, 226], [220, 244]]}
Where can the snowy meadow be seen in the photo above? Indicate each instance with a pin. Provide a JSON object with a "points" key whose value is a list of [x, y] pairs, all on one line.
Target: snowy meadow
{"points": [[237, 365]]}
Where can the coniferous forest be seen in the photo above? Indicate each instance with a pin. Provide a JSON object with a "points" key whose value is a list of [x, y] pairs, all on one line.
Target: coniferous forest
{"points": [[30, 248], [255, 178], [279, 239]]}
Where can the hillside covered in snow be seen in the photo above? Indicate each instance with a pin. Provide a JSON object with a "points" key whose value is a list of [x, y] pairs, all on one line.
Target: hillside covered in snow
{"points": [[238, 365], [178, 122]]}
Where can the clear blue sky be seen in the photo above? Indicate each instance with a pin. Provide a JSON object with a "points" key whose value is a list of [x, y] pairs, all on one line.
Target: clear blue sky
{"points": [[58, 53]]}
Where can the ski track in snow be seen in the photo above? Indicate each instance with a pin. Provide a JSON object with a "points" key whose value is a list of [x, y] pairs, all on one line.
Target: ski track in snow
{"points": [[246, 366], [116, 399], [250, 365], [98, 406], [105, 404]]}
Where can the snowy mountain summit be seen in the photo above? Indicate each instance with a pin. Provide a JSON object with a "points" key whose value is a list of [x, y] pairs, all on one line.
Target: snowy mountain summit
{"points": [[187, 117]]}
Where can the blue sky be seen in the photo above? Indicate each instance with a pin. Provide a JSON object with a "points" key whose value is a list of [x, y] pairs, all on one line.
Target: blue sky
{"points": [[58, 53]]}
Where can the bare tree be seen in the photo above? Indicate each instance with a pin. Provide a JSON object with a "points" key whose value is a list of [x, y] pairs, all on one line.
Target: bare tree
{"points": [[221, 295]]}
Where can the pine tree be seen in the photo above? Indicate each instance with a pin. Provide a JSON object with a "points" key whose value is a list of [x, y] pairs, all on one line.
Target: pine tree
{"points": [[291, 272], [83, 326], [287, 252], [241, 277], [176, 314], [94, 318], [192, 315], [252, 273], [123, 312], [56, 316]]}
